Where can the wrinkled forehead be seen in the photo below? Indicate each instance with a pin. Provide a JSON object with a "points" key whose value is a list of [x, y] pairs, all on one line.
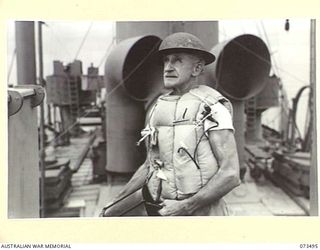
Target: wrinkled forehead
{"points": [[182, 55]]}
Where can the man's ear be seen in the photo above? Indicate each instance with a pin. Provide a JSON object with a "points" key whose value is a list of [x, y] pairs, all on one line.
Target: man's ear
{"points": [[198, 69]]}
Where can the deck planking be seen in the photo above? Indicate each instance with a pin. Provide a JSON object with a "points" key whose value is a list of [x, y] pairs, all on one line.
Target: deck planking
{"points": [[251, 198]]}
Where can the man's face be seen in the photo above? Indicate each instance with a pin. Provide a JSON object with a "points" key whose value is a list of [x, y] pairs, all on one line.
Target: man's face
{"points": [[179, 70]]}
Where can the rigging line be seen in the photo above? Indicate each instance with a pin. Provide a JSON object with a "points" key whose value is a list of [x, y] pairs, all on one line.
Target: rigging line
{"points": [[266, 61], [250, 51], [294, 124], [281, 87], [285, 108], [223, 32], [274, 59], [67, 129], [58, 40], [133, 70], [307, 122], [107, 51], [83, 40], [108, 94], [268, 43], [11, 64], [276, 116]]}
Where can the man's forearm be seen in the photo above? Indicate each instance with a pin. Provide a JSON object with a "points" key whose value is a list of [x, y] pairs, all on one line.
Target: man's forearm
{"points": [[226, 178], [217, 187], [136, 181]]}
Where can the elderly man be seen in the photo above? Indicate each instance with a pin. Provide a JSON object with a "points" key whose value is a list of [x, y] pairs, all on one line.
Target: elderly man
{"points": [[192, 160]]}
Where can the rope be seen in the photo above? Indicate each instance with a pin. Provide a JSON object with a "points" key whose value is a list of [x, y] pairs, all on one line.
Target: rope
{"points": [[83, 40], [58, 40], [133, 70], [268, 43], [107, 52], [11, 64], [266, 61], [108, 94]]}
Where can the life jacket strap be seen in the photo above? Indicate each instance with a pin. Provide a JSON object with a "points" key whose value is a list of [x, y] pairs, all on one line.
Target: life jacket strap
{"points": [[146, 132]]}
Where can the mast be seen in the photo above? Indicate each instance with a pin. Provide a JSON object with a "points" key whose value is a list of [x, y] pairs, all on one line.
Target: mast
{"points": [[25, 44], [42, 132], [23, 150], [314, 208]]}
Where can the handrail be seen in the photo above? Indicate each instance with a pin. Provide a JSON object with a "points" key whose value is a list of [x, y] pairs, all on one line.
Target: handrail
{"points": [[23, 92], [17, 94]]}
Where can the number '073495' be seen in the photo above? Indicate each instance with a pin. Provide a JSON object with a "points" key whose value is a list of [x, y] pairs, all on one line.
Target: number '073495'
{"points": [[312, 246]]}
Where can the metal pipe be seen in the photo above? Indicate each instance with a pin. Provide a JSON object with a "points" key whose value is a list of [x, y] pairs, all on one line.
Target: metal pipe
{"points": [[239, 125], [42, 131], [314, 192], [294, 127], [25, 44]]}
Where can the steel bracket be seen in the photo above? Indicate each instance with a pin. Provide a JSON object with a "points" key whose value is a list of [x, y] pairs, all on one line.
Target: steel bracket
{"points": [[38, 96], [15, 102]]}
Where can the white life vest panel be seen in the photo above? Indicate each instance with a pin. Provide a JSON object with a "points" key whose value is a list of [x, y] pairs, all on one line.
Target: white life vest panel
{"points": [[175, 120]]}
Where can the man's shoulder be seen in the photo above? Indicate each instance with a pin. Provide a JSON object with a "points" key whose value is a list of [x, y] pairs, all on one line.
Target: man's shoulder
{"points": [[211, 97], [207, 93]]}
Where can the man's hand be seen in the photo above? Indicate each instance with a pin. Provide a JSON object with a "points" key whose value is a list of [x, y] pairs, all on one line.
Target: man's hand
{"points": [[174, 208]]}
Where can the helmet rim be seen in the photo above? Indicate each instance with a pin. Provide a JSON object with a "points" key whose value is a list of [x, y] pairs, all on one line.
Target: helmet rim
{"points": [[185, 43], [206, 56]]}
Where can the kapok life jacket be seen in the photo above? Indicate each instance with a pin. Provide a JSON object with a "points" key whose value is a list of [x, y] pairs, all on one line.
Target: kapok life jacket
{"points": [[175, 124]]}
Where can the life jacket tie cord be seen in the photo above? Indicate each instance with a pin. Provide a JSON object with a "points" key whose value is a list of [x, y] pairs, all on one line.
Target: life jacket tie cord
{"points": [[148, 131]]}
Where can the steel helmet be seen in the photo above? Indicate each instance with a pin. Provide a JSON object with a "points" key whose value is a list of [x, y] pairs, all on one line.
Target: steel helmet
{"points": [[185, 42]]}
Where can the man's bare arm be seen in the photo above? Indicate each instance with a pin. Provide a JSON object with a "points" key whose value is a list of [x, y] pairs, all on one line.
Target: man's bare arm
{"points": [[227, 177], [136, 181]]}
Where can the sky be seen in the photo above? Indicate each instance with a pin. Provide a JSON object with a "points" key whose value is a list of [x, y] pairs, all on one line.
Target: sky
{"points": [[289, 49], [62, 41]]}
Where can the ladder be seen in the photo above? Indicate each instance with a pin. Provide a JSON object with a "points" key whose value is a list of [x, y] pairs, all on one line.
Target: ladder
{"points": [[74, 98], [251, 111]]}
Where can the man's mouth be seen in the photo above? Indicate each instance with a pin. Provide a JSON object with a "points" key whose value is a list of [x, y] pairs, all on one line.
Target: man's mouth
{"points": [[170, 76]]}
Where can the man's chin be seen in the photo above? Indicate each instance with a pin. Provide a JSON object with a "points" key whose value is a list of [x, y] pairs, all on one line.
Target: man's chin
{"points": [[169, 85]]}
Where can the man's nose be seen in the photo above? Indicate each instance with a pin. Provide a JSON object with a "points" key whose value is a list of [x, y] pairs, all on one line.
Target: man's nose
{"points": [[168, 66]]}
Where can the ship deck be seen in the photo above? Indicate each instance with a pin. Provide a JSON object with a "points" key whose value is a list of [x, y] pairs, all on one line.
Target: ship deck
{"points": [[87, 196]]}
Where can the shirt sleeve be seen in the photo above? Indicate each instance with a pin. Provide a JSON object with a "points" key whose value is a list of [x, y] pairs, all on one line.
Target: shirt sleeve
{"points": [[223, 117]]}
